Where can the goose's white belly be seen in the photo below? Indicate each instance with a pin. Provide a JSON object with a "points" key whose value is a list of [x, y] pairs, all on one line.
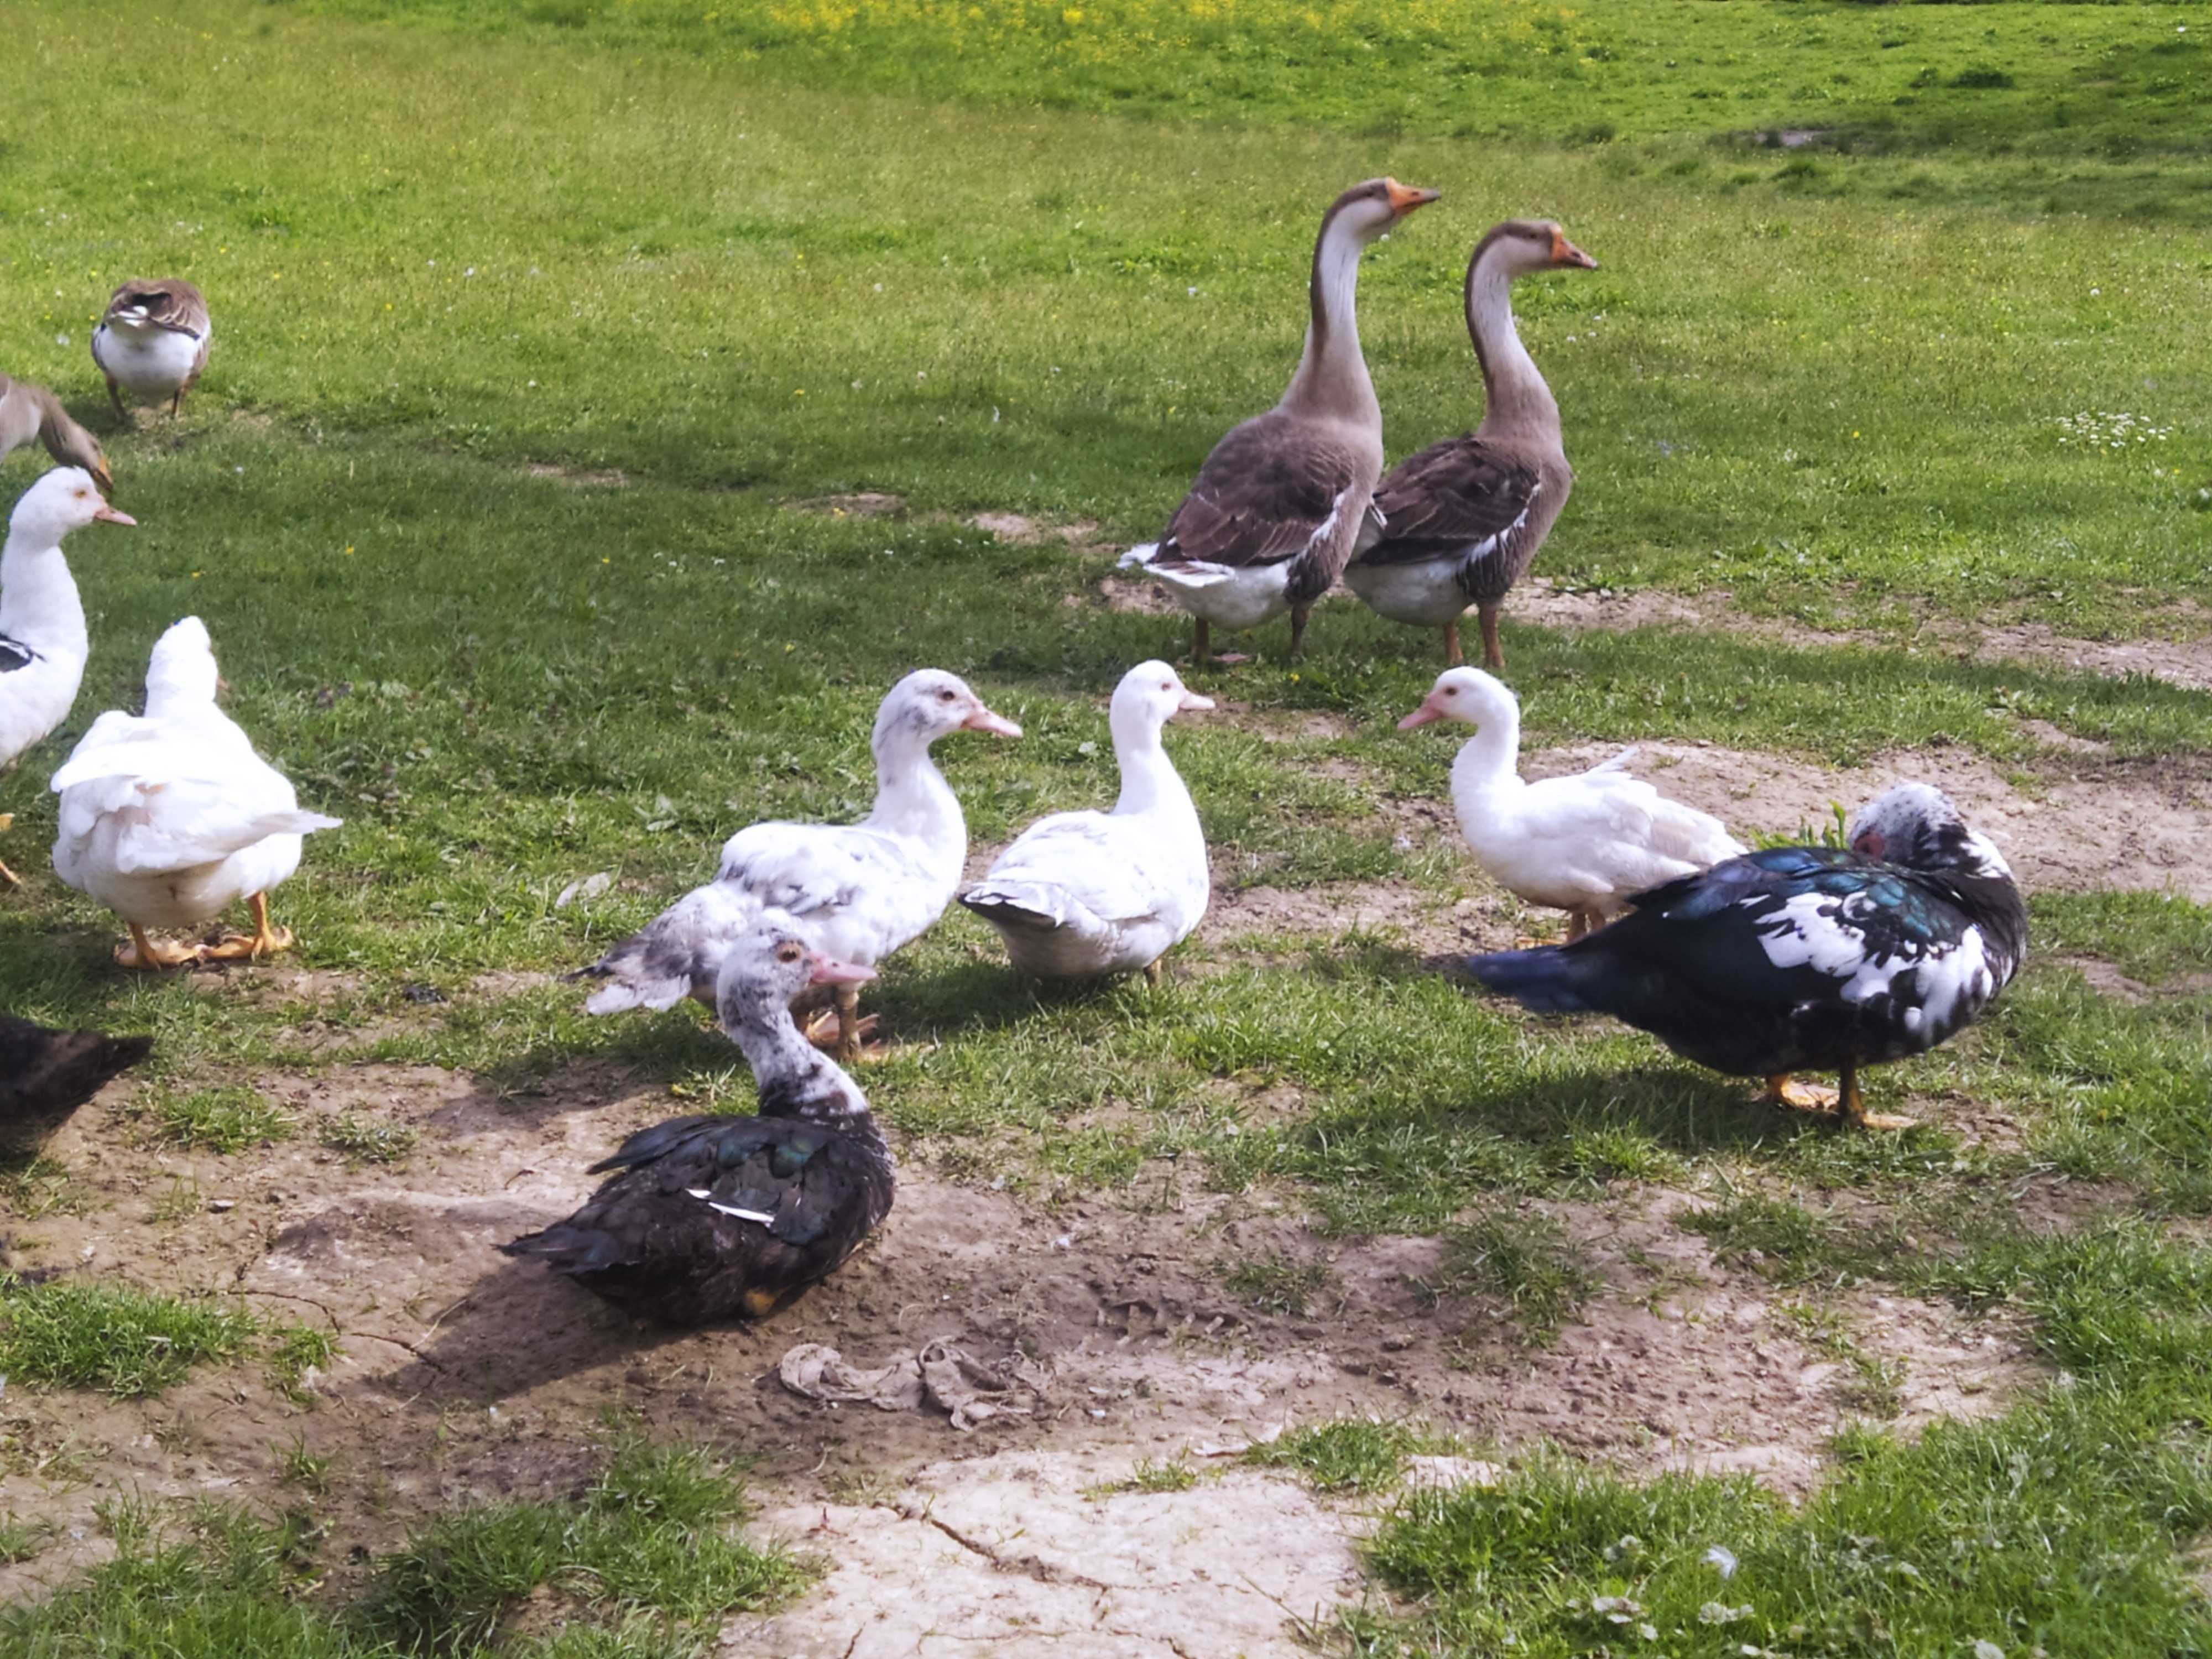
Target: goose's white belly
{"points": [[34, 700], [1111, 947], [153, 362], [178, 898], [1421, 592], [1230, 599]]}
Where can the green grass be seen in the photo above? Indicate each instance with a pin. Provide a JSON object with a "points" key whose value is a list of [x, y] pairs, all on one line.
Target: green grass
{"points": [[227, 1119], [371, 1140], [1520, 1265], [2046, 108], [650, 1557], [654, 1532], [1348, 1455], [78, 1334]]}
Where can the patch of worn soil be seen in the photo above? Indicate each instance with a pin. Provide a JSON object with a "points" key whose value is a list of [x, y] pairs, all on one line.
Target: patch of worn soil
{"points": [[2101, 826], [1008, 1548], [598, 477], [2180, 661]]}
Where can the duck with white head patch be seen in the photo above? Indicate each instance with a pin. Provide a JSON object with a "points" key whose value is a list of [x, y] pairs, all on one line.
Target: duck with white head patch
{"points": [[716, 1217], [171, 817], [1285, 499], [853, 892], [1463, 519], [1084, 894], [1582, 843], [152, 341], [1797, 958], [43, 644]]}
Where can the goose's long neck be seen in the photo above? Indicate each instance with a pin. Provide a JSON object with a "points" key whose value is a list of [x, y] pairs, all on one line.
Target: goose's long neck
{"points": [[39, 602], [1489, 761], [1515, 395], [20, 415], [1332, 377], [795, 1078], [1150, 783], [913, 801]]}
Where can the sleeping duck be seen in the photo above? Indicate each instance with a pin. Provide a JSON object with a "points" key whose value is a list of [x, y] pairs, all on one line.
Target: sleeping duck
{"points": [[46, 1074], [42, 638], [170, 818], [1083, 894], [716, 1217], [1802, 957], [855, 892], [1581, 843]]}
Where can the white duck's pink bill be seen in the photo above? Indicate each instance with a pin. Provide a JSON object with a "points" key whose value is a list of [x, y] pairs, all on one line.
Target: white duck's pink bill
{"points": [[1422, 717], [1191, 701], [828, 970], [984, 720], [108, 515]]}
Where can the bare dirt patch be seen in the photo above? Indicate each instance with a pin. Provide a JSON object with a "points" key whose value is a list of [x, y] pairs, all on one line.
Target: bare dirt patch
{"points": [[2099, 827], [1019, 527], [2180, 660], [1008, 1548], [593, 477], [863, 504], [1429, 922]]}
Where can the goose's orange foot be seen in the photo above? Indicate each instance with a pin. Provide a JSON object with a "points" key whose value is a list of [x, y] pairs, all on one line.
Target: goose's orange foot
{"points": [[143, 952], [1786, 1090], [248, 947], [265, 940]]}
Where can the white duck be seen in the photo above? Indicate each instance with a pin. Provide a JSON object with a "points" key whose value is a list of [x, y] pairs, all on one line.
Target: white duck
{"points": [[42, 637], [854, 892], [170, 818], [1088, 893], [1585, 843]]}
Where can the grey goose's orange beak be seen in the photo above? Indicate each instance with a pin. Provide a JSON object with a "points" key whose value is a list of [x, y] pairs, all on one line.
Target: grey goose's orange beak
{"points": [[1404, 198], [1566, 253]]}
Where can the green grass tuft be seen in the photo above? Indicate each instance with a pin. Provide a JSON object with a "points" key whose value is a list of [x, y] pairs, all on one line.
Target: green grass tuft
{"points": [[655, 1532], [1350, 1454], [69, 1334], [226, 1120], [1519, 1266], [370, 1139]]}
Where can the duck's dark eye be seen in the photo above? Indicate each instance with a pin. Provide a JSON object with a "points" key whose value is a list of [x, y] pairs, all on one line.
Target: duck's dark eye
{"points": [[787, 953], [945, 696]]}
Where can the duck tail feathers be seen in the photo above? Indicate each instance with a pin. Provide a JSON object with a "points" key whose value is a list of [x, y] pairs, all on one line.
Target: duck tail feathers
{"points": [[569, 1248], [1138, 556], [1549, 980], [1018, 903]]}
